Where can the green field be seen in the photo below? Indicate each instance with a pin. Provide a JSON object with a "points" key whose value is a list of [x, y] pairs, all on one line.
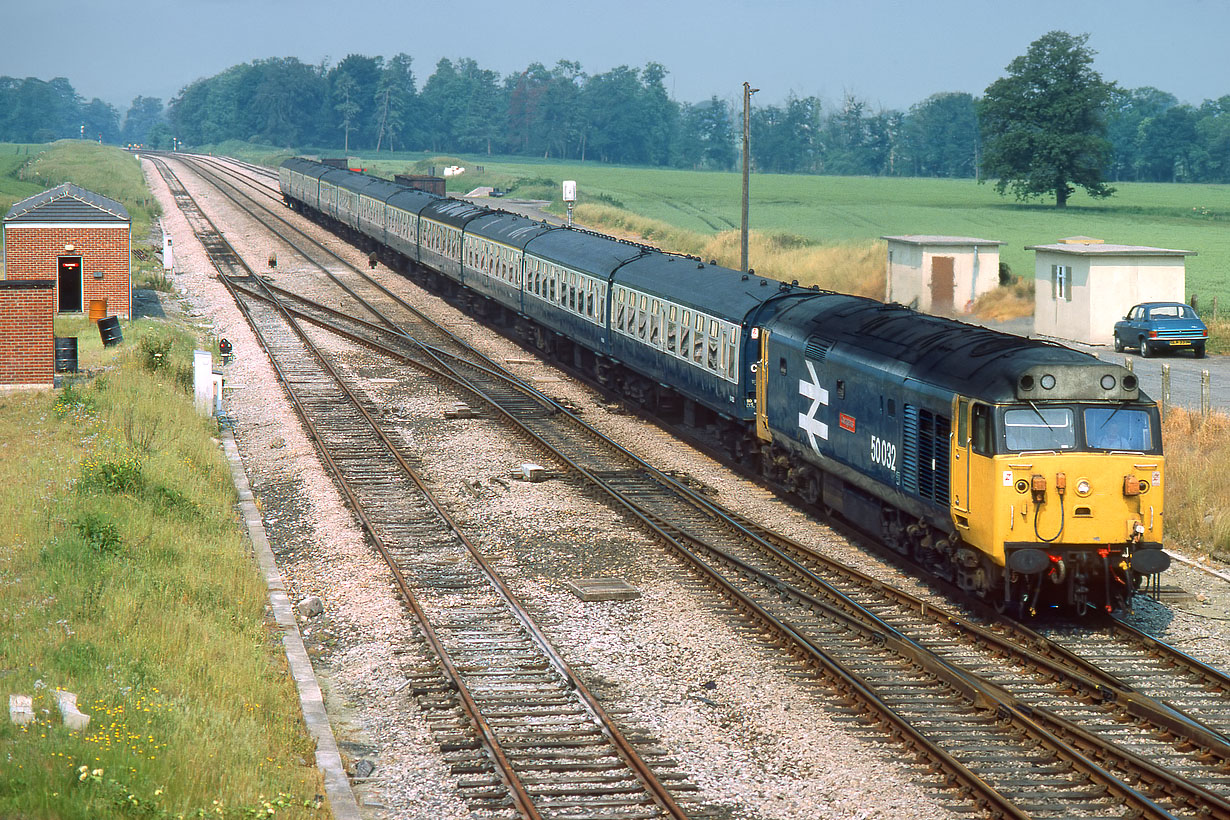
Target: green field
{"points": [[828, 210]]}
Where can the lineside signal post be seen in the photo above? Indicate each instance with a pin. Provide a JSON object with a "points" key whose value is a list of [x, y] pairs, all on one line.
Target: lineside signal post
{"points": [[570, 197]]}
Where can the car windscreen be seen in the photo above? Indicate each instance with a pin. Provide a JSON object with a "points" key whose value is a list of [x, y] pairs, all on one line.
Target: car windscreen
{"points": [[1111, 428], [1172, 312], [1039, 428]]}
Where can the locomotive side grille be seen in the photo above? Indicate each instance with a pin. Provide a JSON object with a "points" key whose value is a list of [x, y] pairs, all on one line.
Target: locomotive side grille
{"points": [[817, 349], [909, 450], [925, 459]]}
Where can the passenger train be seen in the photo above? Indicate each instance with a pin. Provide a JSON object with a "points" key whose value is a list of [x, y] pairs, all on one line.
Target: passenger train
{"points": [[1030, 474]]}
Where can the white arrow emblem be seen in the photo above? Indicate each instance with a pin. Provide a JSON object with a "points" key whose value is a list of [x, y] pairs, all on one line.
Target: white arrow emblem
{"points": [[818, 395]]}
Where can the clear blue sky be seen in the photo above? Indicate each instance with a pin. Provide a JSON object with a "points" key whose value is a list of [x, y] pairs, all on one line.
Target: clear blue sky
{"points": [[891, 53]]}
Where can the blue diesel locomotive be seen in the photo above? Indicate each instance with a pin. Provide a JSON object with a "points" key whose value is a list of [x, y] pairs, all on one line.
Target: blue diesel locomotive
{"points": [[1028, 473]]}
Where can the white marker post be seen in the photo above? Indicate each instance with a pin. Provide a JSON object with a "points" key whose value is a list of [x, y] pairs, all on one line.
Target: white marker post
{"points": [[570, 197]]}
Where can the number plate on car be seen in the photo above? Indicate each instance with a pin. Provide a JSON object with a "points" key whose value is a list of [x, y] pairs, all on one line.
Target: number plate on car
{"points": [[1179, 342]]}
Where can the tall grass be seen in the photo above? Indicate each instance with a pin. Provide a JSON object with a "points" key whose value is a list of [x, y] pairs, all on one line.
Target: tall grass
{"points": [[1197, 486], [852, 267], [124, 579]]}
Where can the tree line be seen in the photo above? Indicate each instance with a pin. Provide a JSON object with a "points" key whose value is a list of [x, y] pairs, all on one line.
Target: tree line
{"points": [[626, 115]]}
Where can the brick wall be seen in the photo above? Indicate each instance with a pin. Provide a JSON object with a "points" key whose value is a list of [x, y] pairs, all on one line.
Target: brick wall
{"points": [[27, 338], [31, 253]]}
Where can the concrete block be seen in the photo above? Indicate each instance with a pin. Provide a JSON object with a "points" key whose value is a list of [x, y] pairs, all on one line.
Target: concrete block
{"points": [[533, 472], [460, 410], [21, 709], [73, 718]]}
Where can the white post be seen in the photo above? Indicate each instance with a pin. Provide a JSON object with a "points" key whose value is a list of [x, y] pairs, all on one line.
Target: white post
{"points": [[167, 261], [203, 379]]}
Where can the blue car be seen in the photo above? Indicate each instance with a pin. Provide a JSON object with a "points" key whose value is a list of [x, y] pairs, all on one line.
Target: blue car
{"points": [[1153, 327]]}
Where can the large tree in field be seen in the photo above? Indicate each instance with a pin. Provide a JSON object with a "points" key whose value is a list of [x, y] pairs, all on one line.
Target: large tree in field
{"points": [[1044, 125]]}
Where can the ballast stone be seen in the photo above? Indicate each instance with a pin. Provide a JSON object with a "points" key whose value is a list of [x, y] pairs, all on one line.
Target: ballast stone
{"points": [[311, 606]]}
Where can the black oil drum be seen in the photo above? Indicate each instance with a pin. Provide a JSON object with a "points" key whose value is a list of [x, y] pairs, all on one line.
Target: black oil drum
{"points": [[109, 329], [66, 354]]}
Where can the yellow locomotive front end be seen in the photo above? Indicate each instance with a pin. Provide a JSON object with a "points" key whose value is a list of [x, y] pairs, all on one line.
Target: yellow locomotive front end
{"points": [[1057, 496]]}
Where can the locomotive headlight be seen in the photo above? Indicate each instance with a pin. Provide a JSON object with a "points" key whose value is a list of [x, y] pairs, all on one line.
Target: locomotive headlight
{"points": [[1047, 382], [1083, 488]]}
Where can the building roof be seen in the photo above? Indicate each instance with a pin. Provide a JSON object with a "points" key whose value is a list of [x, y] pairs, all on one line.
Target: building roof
{"points": [[929, 239], [1102, 249], [67, 203]]}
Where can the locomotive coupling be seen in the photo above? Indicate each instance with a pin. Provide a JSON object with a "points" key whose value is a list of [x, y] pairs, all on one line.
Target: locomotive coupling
{"points": [[1133, 486]]}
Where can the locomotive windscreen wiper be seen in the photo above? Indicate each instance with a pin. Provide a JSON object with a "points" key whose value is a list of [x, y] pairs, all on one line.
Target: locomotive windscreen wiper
{"points": [[1045, 423]]}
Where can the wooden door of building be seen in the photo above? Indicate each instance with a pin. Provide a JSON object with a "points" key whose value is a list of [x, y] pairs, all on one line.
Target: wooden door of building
{"points": [[943, 284]]}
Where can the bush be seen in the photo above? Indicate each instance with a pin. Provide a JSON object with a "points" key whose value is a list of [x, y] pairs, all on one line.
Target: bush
{"points": [[155, 351], [98, 533]]}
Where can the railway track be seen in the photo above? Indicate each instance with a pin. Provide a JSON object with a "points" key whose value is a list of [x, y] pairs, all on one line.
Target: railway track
{"points": [[510, 714], [1006, 736]]}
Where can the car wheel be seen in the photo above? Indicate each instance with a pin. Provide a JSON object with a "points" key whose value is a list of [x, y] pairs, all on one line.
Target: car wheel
{"points": [[1199, 351], [1118, 344], [1146, 352]]}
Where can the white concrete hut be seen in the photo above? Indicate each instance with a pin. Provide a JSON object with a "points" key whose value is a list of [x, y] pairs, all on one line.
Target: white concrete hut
{"points": [[941, 275], [1085, 285]]}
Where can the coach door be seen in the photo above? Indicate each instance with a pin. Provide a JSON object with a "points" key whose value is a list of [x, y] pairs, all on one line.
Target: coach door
{"points": [[762, 387]]}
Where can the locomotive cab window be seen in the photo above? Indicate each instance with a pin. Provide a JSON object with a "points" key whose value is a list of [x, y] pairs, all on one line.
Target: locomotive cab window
{"points": [[980, 429], [1039, 428], [1117, 428]]}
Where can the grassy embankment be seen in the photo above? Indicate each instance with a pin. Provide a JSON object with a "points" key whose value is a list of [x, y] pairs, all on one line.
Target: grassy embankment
{"points": [[125, 579]]}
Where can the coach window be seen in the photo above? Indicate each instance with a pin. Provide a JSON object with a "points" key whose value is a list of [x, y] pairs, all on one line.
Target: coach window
{"points": [[980, 429], [619, 308], [713, 345], [698, 340], [672, 329], [655, 322], [685, 334], [732, 344]]}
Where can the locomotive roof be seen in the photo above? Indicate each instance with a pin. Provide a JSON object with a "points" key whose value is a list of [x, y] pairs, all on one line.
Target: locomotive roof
{"points": [[510, 229], [968, 359], [716, 290], [592, 253], [454, 212]]}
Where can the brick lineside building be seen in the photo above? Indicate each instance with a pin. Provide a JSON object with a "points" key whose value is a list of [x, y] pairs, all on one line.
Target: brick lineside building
{"points": [[78, 239], [27, 336]]}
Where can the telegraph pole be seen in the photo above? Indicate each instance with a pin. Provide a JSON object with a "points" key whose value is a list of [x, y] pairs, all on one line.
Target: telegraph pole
{"points": [[748, 91]]}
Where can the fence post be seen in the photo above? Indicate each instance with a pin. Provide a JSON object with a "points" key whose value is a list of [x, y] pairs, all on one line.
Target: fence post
{"points": [[1165, 390], [1127, 362], [1214, 308], [1206, 403]]}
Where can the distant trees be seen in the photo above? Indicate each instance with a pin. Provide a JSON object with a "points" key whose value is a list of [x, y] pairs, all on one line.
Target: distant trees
{"points": [[1044, 125], [1049, 125]]}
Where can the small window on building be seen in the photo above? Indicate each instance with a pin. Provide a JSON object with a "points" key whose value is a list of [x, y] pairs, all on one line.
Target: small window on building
{"points": [[1061, 282]]}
